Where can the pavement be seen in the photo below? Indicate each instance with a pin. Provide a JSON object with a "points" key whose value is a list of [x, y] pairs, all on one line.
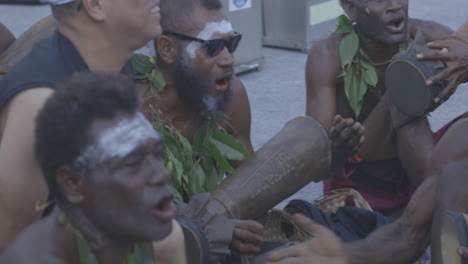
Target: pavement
{"points": [[277, 90]]}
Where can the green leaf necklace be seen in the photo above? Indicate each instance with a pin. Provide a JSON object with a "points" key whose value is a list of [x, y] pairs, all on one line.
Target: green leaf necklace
{"points": [[194, 167], [358, 72], [139, 255]]}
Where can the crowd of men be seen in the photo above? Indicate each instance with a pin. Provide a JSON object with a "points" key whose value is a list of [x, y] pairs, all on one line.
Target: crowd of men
{"points": [[76, 136]]}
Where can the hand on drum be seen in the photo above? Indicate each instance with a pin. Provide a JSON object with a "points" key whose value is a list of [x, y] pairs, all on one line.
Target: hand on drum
{"points": [[454, 52], [324, 248]]}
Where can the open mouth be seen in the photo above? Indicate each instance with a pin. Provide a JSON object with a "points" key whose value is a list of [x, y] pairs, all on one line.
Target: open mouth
{"points": [[396, 25], [222, 84], [165, 209]]}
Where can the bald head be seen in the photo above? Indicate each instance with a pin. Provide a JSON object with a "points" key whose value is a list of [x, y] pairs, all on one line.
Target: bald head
{"points": [[175, 14]]}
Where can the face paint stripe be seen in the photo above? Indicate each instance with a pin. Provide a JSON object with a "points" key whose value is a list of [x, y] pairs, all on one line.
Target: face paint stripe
{"points": [[211, 28], [117, 141]]}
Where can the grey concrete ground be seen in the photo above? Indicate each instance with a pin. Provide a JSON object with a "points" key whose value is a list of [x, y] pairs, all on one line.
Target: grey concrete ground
{"points": [[277, 91]]}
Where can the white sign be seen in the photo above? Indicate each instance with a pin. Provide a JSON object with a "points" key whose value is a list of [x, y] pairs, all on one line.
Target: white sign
{"points": [[235, 5]]}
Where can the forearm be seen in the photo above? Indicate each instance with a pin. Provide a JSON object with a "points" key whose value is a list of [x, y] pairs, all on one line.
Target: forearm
{"points": [[378, 133], [415, 143], [389, 245], [402, 241]]}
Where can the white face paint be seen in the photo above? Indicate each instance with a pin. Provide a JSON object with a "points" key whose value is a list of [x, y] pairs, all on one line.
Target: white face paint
{"points": [[117, 141], [211, 28]]}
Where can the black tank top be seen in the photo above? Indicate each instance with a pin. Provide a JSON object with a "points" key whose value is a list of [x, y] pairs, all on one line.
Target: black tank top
{"points": [[51, 61]]}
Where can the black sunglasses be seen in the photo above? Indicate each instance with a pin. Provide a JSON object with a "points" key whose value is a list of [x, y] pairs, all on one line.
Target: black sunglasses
{"points": [[213, 46]]}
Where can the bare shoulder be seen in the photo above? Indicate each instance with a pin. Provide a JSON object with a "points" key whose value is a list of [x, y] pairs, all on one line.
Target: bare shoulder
{"points": [[323, 62], [326, 50], [33, 243], [431, 30], [23, 107], [238, 112]]}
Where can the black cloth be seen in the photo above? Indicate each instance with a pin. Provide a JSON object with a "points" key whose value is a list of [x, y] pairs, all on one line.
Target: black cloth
{"points": [[349, 223], [51, 61]]}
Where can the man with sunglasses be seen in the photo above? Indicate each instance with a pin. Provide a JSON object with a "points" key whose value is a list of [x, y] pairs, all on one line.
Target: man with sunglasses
{"points": [[196, 60], [195, 56]]}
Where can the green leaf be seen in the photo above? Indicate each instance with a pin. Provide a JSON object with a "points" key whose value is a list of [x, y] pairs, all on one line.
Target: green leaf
{"points": [[213, 179], [363, 87], [231, 141], [142, 66], [343, 20], [370, 76], [84, 249], [157, 79], [140, 255], [218, 156], [346, 28], [227, 151], [348, 49], [365, 63], [348, 82], [186, 146], [197, 179]]}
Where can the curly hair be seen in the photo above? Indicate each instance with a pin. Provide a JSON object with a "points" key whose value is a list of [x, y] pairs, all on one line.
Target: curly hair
{"points": [[63, 123]]}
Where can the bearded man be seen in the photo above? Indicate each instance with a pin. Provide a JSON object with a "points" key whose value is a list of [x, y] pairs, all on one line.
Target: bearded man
{"points": [[373, 152], [198, 89]]}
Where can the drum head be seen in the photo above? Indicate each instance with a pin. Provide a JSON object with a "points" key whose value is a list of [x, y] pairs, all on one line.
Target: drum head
{"points": [[406, 84]]}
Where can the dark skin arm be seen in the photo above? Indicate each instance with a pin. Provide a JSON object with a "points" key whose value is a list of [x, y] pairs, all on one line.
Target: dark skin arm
{"points": [[415, 140], [239, 115], [322, 69]]}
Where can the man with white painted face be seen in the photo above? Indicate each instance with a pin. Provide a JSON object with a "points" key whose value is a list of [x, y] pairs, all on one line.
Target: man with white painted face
{"points": [[97, 36], [102, 162], [372, 152], [195, 57]]}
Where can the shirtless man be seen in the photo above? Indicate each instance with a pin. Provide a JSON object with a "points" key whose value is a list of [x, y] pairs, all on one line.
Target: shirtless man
{"points": [[101, 160], [199, 78], [92, 36], [404, 240], [200, 82], [443, 190], [381, 162]]}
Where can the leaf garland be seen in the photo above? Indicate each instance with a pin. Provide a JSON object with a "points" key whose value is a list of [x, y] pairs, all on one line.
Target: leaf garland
{"points": [[359, 74], [198, 166]]}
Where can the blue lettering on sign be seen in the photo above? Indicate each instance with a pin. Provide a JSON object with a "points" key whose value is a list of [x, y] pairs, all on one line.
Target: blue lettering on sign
{"points": [[239, 3]]}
